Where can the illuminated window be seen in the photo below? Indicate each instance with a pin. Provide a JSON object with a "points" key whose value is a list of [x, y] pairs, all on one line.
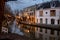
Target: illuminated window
{"points": [[52, 13], [41, 13]]}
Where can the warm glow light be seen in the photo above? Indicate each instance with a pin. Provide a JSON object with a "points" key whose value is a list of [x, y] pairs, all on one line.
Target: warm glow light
{"points": [[16, 22], [17, 17], [25, 14], [27, 17], [29, 22], [9, 16], [26, 31]]}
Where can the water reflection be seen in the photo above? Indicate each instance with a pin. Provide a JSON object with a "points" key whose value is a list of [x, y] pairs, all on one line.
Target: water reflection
{"points": [[13, 27], [32, 32]]}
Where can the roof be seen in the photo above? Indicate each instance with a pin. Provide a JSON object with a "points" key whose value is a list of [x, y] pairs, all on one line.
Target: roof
{"points": [[48, 4], [11, 0]]}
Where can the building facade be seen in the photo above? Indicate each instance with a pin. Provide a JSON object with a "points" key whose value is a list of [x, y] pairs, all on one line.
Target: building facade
{"points": [[28, 16], [48, 13], [48, 16]]}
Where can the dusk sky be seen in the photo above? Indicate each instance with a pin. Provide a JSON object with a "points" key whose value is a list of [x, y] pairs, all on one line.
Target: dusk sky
{"points": [[20, 4]]}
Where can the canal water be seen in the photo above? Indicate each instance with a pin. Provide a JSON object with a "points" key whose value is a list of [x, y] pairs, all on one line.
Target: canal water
{"points": [[14, 28]]}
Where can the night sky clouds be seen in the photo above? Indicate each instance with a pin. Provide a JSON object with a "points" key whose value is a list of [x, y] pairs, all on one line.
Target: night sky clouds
{"points": [[20, 4]]}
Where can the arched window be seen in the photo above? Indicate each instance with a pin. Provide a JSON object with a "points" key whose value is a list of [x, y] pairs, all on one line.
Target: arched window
{"points": [[46, 20], [52, 21], [41, 20]]}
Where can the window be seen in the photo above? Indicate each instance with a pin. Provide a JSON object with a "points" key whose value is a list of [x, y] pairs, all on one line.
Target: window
{"points": [[52, 32], [57, 32], [46, 12], [52, 21], [58, 21], [31, 10], [37, 20], [40, 29], [41, 13], [52, 12], [41, 20], [37, 28], [31, 13], [45, 30], [46, 20]]}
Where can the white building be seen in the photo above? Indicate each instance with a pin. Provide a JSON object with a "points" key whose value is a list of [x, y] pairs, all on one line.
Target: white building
{"points": [[45, 13], [48, 13], [48, 16]]}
